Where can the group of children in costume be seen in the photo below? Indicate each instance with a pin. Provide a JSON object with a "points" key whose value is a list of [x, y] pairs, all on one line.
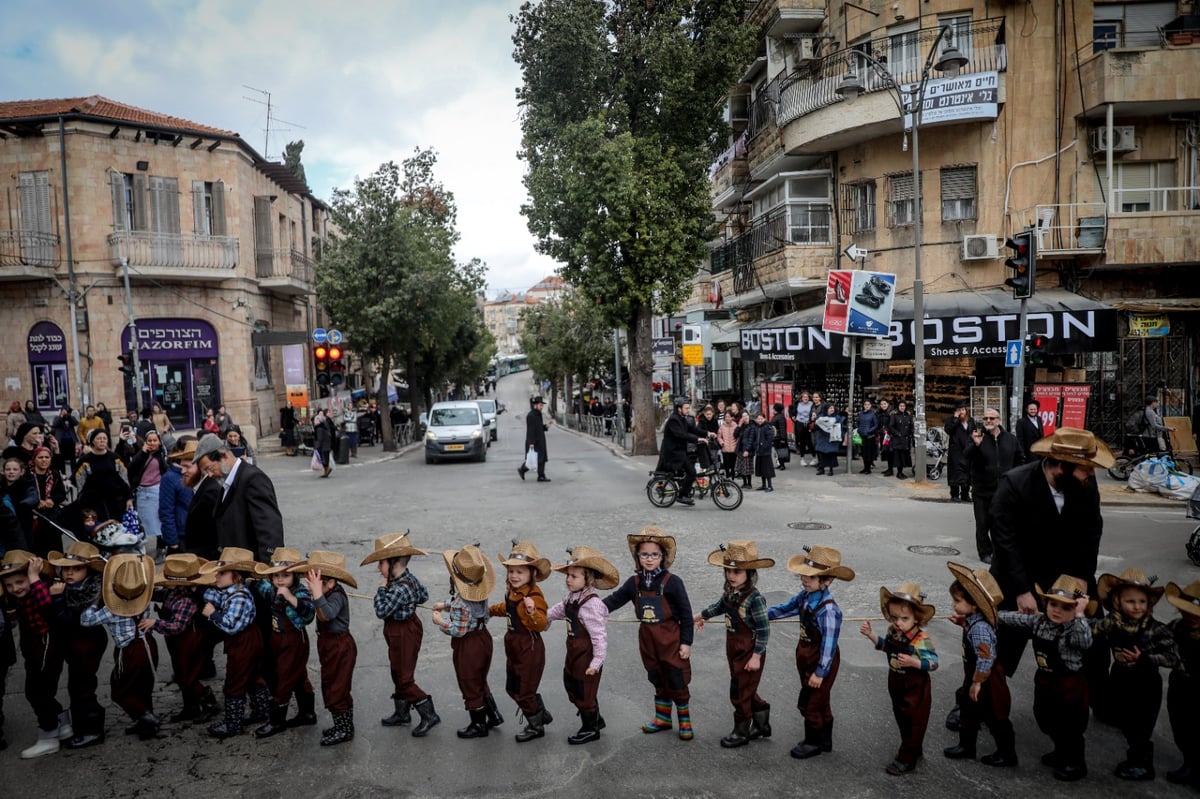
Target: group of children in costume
{"points": [[260, 612]]}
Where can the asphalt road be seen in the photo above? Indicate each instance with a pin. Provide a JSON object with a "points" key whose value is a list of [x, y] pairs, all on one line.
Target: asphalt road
{"points": [[596, 498]]}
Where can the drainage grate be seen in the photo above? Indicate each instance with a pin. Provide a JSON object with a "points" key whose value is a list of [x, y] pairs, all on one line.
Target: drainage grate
{"points": [[942, 551], [808, 525]]}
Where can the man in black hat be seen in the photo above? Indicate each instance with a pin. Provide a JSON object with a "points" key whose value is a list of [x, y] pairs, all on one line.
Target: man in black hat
{"points": [[958, 434], [680, 431], [535, 437]]}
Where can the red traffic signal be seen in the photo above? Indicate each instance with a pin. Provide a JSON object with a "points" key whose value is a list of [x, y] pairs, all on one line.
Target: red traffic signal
{"points": [[1023, 263], [320, 353], [126, 360], [335, 354]]}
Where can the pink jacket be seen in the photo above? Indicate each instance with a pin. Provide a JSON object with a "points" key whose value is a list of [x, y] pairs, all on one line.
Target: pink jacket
{"points": [[727, 433]]}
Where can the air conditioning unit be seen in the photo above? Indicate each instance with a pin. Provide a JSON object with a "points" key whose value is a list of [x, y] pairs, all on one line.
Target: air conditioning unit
{"points": [[1123, 141], [980, 248], [806, 50]]}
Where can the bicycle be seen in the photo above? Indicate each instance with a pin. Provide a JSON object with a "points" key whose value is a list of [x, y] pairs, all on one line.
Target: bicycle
{"points": [[1136, 451], [663, 489]]}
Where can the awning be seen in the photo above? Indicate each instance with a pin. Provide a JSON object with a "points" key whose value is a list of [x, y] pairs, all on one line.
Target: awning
{"points": [[1157, 305], [975, 324], [775, 290], [724, 334]]}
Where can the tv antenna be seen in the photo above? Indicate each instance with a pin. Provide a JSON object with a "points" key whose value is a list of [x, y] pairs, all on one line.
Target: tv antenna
{"points": [[271, 118]]}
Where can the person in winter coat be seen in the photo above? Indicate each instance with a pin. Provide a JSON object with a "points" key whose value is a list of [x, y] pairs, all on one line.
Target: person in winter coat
{"points": [[536, 426], [146, 471], [883, 412], [710, 452], [900, 429], [868, 431], [15, 418], [1029, 429], [827, 438], [324, 438], [175, 498], [992, 452], [63, 430], [958, 439], [678, 432], [727, 437], [757, 443], [779, 422], [32, 414]]}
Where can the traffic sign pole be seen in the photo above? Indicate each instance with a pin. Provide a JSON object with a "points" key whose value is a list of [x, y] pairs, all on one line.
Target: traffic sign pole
{"points": [[1018, 395]]}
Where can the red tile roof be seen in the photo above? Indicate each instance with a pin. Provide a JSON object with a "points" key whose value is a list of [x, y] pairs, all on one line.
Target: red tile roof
{"points": [[105, 108]]}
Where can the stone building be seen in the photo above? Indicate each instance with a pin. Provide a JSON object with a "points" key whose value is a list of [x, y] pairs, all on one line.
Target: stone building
{"points": [[218, 245]]}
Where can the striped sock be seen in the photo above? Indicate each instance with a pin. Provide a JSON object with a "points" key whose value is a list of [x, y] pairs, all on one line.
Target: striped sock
{"points": [[685, 722], [662, 716]]}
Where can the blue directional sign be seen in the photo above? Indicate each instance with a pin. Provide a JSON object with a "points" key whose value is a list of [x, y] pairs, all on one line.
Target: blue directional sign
{"points": [[1014, 354], [335, 336], [319, 335]]}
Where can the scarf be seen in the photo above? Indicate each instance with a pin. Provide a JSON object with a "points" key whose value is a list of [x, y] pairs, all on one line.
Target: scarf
{"points": [[648, 576], [82, 594]]}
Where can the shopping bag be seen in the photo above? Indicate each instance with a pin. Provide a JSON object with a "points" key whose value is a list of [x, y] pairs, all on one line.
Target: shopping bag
{"points": [[782, 453], [856, 439], [531, 459], [316, 464]]}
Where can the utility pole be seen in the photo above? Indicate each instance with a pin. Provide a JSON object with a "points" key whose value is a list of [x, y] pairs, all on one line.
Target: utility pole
{"points": [[72, 296], [133, 339]]}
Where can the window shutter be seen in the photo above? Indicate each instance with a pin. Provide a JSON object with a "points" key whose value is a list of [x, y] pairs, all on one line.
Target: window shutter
{"points": [[218, 208], [140, 200], [120, 210], [958, 183], [1135, 181], [263, 246], [902, 187], [199, 218], [26, 200], [41, 184]]}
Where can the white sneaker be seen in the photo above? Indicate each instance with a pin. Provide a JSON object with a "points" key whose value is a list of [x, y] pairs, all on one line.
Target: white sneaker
{"points": [[47, 744], [65, 731]]}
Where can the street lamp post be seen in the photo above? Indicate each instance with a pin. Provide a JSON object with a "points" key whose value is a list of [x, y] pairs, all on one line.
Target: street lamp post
{"points": [[950, 61]]}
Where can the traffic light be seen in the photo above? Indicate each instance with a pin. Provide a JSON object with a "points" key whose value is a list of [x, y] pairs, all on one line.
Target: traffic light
{"points": [[337, 369], [1035, 348], [321, 364], [126, 360], [1023, 263]]}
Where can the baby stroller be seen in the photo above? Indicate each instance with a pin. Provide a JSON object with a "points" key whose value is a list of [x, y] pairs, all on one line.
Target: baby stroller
{"points": [[1193, 544], [935, 452]]}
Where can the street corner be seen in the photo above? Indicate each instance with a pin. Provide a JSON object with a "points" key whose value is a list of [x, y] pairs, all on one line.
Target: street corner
{"points": [[1113, 493]]}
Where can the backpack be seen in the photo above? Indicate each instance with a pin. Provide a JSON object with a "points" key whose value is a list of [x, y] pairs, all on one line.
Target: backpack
{"points": [[1137, 423]]}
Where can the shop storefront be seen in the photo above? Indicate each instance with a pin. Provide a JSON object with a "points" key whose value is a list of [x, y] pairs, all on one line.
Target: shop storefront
{"points": [[179, 366], [46, 349]]}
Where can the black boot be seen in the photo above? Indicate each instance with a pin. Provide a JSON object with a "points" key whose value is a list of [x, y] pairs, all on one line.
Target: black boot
{"points": [[954, 717], [478, 728], [148, 726], [1005, 755], [1139, 765], [739, 737], [210, 708], [965, 748], [827, 737], [535, 727], [306, 713], [810, 746], [429, 717], [590, 729], [494, 719], [235, 712], [888, 473], [343, 729], [400, 715], [761, 723], [190, 712], [546, 717], [89, 731], [276, 724], [260, 706]]}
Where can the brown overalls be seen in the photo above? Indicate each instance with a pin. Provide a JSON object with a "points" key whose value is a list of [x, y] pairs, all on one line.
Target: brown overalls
{"points": [[658, 643], [813, 703], [581, 686], [525, 655], [739, 647]]}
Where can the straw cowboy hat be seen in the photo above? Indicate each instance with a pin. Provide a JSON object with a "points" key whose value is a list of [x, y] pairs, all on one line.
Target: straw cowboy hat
{"points": [[820, 561], [80, 553], [392, 545], [525, 553], [1073, 445], [653, 535], [1066, 589], [329, 564], [232, 559], [282, 559], [128, 584], [182, 571], [909, 593], [472, 573], [1186, 599], [585, 557], [17, 560], [186, 454], [981, 586], [1109, 585], [740, 554]]}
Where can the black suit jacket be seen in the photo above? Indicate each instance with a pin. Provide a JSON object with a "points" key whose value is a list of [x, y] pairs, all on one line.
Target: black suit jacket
{"points": [[535, 432], [1028, 431], [249, 515], [200, 530]]}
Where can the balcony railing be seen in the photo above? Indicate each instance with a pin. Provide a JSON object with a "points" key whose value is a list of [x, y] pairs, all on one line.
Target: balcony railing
{"points": [[1163, 198], [178, 251], [815, 87], [284, 264], [28, 248]]}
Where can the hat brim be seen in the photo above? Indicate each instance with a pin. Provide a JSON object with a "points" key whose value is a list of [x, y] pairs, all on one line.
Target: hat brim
{"points": [[1037, 589], [214, 566], [118, 604], [468, 591], [798, 564], [665, 542], [1103, 458], [979, 597], [608, 577], [925, 613], [392, 552], [62, 561], [541, 566], [195, 581], [1175, 596], [326, 570], [46, 572], [716, 558], [266, 570], [1110, 583]]}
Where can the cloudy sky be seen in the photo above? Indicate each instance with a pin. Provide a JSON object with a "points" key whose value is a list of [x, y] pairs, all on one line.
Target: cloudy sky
{"points": [[361, 81]]}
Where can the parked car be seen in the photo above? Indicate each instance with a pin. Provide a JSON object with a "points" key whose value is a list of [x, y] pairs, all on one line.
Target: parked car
{"points": [[455, 430], [491, 414]]}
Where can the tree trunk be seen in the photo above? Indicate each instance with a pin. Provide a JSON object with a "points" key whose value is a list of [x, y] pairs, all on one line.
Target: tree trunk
{"points": [[386, 434], [415, 396], [641, 372], [569, 398]]}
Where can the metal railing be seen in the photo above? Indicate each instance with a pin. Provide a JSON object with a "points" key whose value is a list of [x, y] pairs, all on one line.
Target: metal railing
{"points": [[183, 251], [284, 263], [1158, 199], [28, 248], [1065, 226]]}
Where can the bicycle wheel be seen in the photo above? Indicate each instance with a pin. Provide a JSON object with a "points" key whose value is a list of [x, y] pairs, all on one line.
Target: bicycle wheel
{"points": [[661, 491], [727, 495], [1184, 466], [1121, 469]]}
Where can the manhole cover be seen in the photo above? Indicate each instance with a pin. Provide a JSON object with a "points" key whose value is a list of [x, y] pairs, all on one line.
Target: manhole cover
{"points": [[943, 551], [808, 525]]}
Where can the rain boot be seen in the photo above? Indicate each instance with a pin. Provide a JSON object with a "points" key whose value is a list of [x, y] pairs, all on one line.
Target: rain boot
{"points": [[739, 737], [590, 729], [90, 731], [827, 737], [306, 714], [965, 748], [46, 744], [478, 728], [276, 724], [535, 727], [685, 722], [429, 717], [810, 746], [494, 719], [260, 706], [662, 716], [546, 717], [209, 707], [1139, 763], [1005, 755], [401, 715], [760, 726], [235, 712], [148, 726], [343, 729], [190, 712]]}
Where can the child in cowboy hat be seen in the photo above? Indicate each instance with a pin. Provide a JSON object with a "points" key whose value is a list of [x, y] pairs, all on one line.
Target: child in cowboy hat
{"points": [[80, 569], [471, 580], [666, 627], [229, 605], [911, 657], [983, 697], [336, 649], [23, 582], [396, 600], [1140, 646], [587, 634], [126, 591], [1061, 637], [290, 609], [524, 607], [817, 653], [1183, 691], [746, 635], [179, 623]]}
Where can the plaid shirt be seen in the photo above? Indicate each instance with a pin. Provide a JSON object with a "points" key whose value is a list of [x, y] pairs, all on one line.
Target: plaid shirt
{"points": [[234, 608], [1074, 637], [178, 609], [300, 616], [753, 613], [398, 599], [463, 617], [981, 638], [1153, 638], [123, 629], [917, 643], [828, 620], [33, 609]]}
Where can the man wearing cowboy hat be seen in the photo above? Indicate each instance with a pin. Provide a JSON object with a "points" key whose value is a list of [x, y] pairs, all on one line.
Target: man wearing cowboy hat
{"points": [[1046, 522]]}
